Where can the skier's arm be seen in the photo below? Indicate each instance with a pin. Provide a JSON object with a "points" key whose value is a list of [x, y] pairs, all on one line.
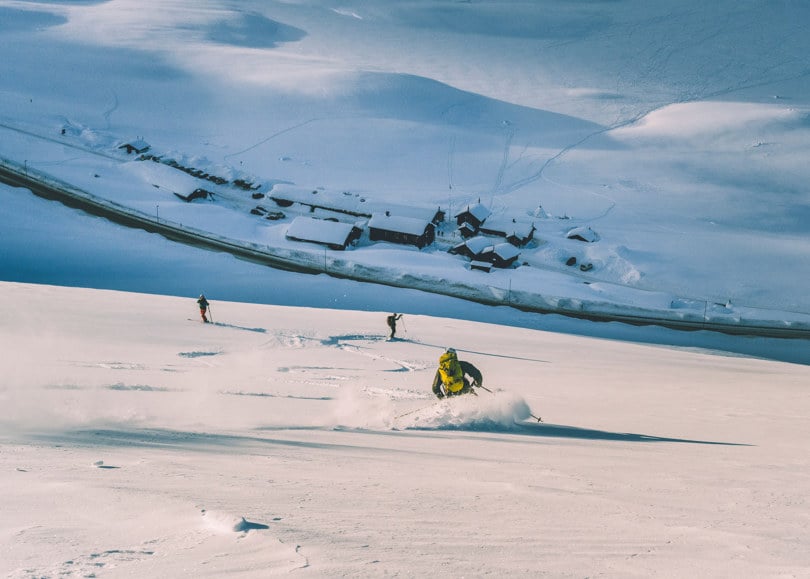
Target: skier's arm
{"points": [[473, 372]]}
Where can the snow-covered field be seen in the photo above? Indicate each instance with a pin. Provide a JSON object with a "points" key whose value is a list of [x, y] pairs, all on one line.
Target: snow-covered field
{"points": [[134, 441]]}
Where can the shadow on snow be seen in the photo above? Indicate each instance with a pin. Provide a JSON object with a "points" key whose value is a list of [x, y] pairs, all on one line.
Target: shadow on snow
{"points": [[164, 438]]}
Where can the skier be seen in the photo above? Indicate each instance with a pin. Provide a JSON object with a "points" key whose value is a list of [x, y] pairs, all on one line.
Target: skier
{"points": [[203, 303], [455, 377], [392, 323]]}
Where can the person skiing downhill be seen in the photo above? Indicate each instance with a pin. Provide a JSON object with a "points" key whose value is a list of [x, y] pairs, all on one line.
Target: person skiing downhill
{"points": [[392, 323], [455, 377], [203, 303]]}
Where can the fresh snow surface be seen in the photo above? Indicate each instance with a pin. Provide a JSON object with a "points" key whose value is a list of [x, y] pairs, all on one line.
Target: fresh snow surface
{"points": [[137, 441]]}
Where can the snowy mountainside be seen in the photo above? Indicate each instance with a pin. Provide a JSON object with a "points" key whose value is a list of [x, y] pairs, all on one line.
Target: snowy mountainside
{"points": [[676, 132]]}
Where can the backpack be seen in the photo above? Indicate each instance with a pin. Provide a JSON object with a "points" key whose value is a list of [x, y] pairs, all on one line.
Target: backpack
{"points": [[451, 372]]}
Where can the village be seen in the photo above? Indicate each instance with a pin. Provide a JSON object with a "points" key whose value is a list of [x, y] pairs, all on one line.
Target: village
{"points": [[341, 221], [467, 245]]}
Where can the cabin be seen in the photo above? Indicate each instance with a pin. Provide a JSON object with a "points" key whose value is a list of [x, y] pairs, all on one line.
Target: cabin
{"points": [[196, 194], [585, 234], [502, 255], [481, 266], [404, 230], [474, 215], [481, 250], [467, 231], [515, 232], [471, 247], [435, 215], [333, 234], [138, 146]]}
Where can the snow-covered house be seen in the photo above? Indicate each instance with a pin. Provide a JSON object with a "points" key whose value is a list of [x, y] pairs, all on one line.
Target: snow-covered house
{"points": [[481, 250], [585, 234], [332, 234], [405, 230], [517, 233], [198, 193], [473, 215], [502, 255], [471, 247], [138, 146]]}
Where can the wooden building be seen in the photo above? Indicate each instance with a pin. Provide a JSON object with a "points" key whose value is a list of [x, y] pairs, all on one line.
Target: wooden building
{"points": [[138, 146], [471, 247], [502, 255], [332, 234], [404, 230], [474, 216], [515, 232], [481, 250], [585, 234]]}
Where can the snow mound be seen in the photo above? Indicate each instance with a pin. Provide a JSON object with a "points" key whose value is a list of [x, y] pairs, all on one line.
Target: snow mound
{"points": [[223, 523], [489, 411], [486, 412]]}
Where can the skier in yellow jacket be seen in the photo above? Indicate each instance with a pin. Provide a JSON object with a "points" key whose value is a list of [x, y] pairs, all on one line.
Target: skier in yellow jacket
{"points": [[455, 377]]}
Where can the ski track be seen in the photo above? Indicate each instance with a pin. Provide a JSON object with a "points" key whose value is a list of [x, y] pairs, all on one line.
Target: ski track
{"points": [[338, 342], [108, 113]]}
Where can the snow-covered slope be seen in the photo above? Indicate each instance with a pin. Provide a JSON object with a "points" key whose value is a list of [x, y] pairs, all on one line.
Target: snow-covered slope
{"points": [[137, 442]]}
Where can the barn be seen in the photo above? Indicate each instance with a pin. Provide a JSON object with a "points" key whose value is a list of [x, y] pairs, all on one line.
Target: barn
{"points": [[404, 230], [332, 234]]}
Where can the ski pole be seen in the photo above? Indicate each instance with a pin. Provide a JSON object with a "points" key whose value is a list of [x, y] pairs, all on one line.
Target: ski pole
{"points": [[413, 411], [210, 314]]}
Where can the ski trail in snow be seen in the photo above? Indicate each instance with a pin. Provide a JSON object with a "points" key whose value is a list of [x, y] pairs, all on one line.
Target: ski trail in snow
{"points": [[108, 113], [339, 342], [504, 160], [405, 366], [271, 137]]}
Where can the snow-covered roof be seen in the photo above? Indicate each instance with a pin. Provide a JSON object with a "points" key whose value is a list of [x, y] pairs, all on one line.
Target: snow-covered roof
{"points": [[398, 224], [478, 244], [505, 251], [162, 177], [585, 233], [138, 145], [348, 202], [319, 230], [509, 226], [477, 210], [345, 202]]}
